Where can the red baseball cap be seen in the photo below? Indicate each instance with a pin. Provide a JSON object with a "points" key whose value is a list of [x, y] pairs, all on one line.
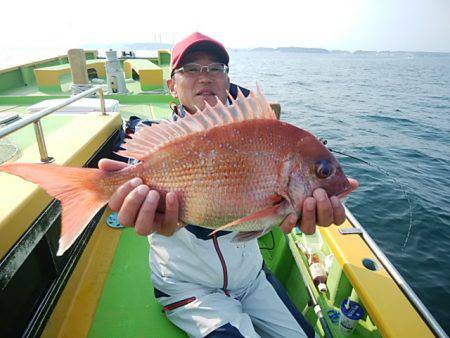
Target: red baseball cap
{"points": [[198, 42]]}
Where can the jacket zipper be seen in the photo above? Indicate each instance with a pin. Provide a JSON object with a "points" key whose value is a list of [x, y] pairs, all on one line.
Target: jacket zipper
{"points": [[224, 266]]}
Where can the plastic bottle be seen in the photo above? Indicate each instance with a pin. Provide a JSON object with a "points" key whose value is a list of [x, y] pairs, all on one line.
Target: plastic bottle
{"points": [[314, 242], [318, 273], [351, 313], [328, 263]]}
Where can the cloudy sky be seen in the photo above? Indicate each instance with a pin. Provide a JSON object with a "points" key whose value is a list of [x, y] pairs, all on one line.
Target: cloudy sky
{"points": [[333, 24]]}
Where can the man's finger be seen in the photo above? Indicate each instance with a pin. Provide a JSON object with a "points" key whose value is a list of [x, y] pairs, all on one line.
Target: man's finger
{"points": [[288, 223], [308, 223], [338, 210], [324, 208], [145, 221], [116, 200], [106, 164], [170, 222], [131, 205]]}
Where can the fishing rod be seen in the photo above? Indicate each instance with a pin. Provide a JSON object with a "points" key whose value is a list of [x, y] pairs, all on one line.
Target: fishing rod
{"points": [[316, 306]]}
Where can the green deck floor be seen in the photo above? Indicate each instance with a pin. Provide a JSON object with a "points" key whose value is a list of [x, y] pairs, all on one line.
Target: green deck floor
{"points": [[127, 307], [161, 110]]}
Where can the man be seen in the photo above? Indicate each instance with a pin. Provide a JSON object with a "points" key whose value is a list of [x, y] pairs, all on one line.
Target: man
{"points": [[209, 285]]}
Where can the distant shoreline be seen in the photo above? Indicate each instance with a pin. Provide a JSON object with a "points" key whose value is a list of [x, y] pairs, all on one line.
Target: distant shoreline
{"points": [[326, 51], [156, 46]]}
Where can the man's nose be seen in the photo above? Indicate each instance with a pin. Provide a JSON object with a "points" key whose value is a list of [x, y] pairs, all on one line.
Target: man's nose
{"points": [[204, 76]]}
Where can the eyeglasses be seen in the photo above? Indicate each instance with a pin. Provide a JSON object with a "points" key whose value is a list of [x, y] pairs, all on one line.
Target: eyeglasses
{"points": [[194, 69]]}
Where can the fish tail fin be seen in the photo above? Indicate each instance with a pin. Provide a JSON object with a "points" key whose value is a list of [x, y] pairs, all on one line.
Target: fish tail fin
{"points": [[79, 190]]}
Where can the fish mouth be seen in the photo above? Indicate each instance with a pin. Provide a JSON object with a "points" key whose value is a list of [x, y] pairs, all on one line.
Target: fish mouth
{"points": [[345, 192]]}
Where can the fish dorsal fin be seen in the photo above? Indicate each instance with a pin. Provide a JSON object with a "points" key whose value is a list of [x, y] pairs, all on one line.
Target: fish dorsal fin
{"points": [[148, 139]]}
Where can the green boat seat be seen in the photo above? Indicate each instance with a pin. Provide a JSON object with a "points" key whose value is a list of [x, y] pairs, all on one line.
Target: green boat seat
{"points": [[164, 57]]}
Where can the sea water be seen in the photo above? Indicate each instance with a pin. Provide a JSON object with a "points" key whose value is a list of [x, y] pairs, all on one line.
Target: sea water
{"points": [[393, 111]]}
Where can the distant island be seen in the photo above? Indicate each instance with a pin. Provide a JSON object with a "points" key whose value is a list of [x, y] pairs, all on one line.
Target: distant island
{"points": [[292, 50], [155, 46], [326, 51]]}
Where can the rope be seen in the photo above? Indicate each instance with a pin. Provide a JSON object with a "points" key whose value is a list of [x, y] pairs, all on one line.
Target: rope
{"points": [[8, 151]]}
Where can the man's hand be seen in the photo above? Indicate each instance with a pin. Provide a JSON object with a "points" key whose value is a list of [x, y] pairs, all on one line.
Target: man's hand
{"points": [[318, 210], [137, 205]]}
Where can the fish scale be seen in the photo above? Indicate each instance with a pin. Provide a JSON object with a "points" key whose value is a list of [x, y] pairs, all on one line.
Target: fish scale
{"points": [[235, 184]]}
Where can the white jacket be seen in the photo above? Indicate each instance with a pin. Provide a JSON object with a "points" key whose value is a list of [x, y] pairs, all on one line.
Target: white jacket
{"points": [[191, 257]]}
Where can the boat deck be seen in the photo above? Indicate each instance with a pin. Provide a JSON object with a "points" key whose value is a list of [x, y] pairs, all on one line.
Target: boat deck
{"points": [[32, 90]]}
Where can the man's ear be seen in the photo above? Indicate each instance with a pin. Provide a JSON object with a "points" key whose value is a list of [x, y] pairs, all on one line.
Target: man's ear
{"points": [[171, 85]]}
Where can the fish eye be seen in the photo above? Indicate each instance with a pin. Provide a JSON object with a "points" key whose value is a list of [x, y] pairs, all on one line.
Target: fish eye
{"points": [[323, 169]]}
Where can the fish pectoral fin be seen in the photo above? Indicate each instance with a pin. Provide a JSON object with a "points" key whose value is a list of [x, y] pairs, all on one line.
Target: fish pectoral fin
{"points": [[268, 217], [244, 236]]}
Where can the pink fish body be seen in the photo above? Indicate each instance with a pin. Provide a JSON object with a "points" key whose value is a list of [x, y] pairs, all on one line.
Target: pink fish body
{"points": [[235, 168]]}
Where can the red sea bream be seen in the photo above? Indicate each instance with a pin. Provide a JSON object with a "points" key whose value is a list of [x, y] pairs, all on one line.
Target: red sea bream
{"points": [[233, 167]]}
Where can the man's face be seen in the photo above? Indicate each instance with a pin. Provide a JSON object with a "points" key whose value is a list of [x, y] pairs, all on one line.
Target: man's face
{"points": [[193, 91]]}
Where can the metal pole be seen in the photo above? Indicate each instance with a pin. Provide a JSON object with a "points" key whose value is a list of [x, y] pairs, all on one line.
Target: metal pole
{"points": [[102, 101], [32, 118], [41, 142], [35, 119]]}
